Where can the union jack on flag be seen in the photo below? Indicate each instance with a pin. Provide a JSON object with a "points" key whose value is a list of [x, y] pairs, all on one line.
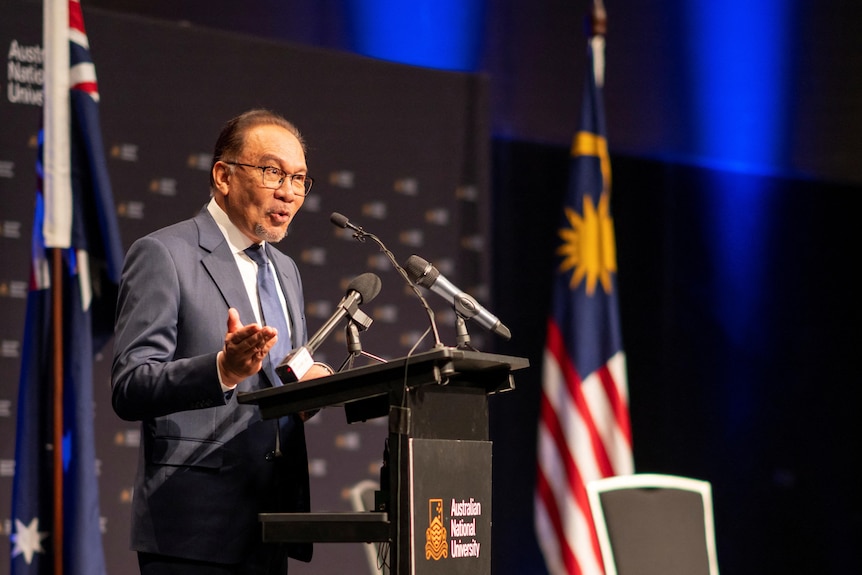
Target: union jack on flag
{"points": [[584, 432]]}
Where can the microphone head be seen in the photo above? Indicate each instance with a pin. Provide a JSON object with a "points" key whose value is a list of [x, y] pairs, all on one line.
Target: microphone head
{"points": [[366, 285], [420, 271], [338, 219]]}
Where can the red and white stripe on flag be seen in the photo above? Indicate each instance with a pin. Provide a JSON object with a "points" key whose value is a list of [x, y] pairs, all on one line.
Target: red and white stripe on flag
{"points": [[584, 434], [82, 73]]}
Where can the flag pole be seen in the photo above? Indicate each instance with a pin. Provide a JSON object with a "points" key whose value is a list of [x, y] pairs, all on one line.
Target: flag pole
{"points": [[57, 325], [598, 19], [597, 30], [56, 228]]}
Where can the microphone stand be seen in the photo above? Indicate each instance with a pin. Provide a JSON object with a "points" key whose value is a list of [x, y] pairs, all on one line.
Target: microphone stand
{"points": [[360, 235], [354, 346], [461, 333]]}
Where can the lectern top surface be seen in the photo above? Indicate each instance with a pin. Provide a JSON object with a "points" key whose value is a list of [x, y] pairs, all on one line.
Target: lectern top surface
{"points": [[437, 366]]}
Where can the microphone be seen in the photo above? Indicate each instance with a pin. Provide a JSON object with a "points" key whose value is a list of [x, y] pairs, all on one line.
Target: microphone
{"points": [[342, 222], [362, 289], [427, 276]]}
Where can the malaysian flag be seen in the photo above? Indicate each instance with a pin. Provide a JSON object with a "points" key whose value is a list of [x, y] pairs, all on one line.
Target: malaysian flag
{"points": [[584, 431], [77, 259]]}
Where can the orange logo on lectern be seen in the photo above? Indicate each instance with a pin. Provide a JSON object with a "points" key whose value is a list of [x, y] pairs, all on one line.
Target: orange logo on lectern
{"points": [[435, 536]]}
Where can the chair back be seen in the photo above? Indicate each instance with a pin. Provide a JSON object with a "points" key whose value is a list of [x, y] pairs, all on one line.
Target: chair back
{"points": [[653, 524]]}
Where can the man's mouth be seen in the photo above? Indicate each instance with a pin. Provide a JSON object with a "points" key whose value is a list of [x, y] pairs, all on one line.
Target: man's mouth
{"points": [[280, 217]]}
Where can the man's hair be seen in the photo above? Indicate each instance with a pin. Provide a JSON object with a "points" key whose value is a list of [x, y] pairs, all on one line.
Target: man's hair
{"points": [[232, 137]]}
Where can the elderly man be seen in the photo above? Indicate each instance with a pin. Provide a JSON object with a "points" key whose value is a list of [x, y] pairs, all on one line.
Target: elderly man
{"points": [[209, 307]]}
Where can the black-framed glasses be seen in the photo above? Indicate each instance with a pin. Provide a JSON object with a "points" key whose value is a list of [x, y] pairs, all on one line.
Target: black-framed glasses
{"points": [[273, 178]]}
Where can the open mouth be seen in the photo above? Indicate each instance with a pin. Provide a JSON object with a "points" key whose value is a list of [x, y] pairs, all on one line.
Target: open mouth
{"points": [[280, 217]]}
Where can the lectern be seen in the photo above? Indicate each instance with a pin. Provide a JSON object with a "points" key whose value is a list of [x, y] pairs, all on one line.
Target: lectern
{"points": [[435, 511]]}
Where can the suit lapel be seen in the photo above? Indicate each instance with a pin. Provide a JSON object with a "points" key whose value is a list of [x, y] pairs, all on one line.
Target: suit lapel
{"points": [[220, 263], [221, 266]]}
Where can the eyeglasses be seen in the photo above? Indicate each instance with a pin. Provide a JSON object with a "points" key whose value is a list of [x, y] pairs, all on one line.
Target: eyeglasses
{"points": [[274, 177]]}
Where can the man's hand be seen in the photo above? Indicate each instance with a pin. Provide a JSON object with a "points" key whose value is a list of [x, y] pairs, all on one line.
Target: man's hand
{"points": [[316, 370], [245, 346]]}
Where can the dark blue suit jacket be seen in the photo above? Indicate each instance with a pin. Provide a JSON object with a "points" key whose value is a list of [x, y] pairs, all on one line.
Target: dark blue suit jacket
{"points": [[203, 475]]}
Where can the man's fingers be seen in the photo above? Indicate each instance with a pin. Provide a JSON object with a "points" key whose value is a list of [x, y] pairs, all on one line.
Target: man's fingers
{"points": [[233, 323], [245, 346], [249, 341]]}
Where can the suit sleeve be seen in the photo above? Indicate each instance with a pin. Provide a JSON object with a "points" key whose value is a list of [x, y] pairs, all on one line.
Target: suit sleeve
{"points": [[149, 377]]}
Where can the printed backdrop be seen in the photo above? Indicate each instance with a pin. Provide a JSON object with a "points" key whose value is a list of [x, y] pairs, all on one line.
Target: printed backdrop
{"points": [[401, 151]]}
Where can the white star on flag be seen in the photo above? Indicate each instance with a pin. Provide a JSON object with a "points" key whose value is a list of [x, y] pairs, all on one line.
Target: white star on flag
{"points": [[28, 539]]}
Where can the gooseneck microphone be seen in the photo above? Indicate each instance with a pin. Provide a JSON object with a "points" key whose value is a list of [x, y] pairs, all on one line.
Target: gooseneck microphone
{"points": [[427, 276], [362, 289], [341, 221], [360, 234]]}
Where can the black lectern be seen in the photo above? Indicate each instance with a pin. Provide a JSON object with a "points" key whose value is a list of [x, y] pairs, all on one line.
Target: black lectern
{"points": [[436, 512]]}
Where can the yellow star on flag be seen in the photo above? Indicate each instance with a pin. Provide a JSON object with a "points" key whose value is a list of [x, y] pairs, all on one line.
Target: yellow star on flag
{"points": [[588, 245]]}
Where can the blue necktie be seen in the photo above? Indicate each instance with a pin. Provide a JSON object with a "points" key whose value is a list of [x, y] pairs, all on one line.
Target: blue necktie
{"points": [[271, 311]]}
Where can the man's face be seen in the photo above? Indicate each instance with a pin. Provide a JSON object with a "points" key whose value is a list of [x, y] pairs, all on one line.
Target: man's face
{"points": [[259, 212]]}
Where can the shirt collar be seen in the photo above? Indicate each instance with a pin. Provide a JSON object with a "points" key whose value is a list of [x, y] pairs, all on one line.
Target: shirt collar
{"points": [[237, 240]]}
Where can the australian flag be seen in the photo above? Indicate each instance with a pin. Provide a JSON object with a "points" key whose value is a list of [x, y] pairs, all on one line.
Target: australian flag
{"points": [[90, 262]]}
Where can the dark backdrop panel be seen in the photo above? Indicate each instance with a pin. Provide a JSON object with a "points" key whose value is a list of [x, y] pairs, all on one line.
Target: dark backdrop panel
{"points": [[765, 414], [402, 151]]}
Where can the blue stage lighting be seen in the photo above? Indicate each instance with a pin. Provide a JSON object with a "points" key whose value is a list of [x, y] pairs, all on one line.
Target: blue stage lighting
{"points": [[445, 34], [738, 54]]}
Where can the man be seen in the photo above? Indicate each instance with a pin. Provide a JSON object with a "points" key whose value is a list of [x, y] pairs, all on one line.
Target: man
{"points": [[192, 330]]}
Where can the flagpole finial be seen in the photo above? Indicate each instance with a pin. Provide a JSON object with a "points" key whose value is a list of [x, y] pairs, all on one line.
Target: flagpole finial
{"points": [[598, 18]]}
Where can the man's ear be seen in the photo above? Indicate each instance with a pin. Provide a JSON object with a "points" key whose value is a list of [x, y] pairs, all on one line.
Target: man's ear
{"points": [[221, 176]]}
